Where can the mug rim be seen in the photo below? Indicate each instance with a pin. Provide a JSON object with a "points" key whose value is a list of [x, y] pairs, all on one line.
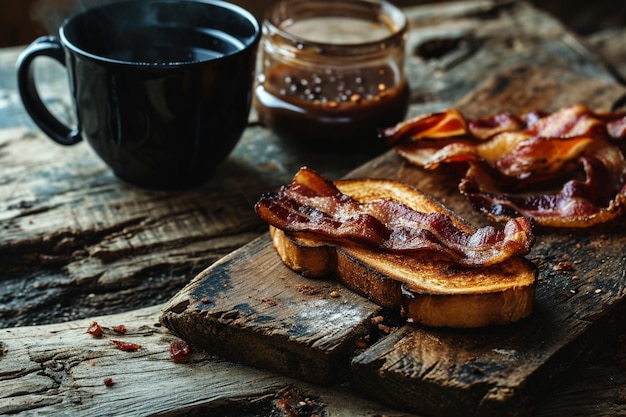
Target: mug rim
{"points": [[248, 42]]}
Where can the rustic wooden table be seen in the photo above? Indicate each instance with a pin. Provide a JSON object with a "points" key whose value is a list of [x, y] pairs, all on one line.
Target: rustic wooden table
{"points": [[76, 245]]}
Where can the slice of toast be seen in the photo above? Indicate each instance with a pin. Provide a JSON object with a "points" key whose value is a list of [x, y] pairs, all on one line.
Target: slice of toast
{"points": [[430, 288]]}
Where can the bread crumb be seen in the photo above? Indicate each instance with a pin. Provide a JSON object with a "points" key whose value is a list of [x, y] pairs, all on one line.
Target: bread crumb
{"points": [[334, 294], [269, 301], [563, 266], [384, 328], [362, 342], [307, 289]]}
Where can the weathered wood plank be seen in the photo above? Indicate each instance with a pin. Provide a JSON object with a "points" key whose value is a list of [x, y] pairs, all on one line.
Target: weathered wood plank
{"points": [[299, 327], [454, 47], [610, 46], [59, 369]]}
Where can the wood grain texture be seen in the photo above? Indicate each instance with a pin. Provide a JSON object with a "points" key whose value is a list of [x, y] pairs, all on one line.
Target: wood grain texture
{"points": [[250, 308], [59, 369]]}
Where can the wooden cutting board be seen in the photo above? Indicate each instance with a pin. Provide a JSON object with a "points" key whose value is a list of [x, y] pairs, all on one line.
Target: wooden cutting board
{"points": [[250, 308]]}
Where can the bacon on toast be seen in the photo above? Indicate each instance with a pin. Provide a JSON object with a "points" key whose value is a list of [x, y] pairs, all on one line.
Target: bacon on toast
{"points": [[363, 232]]}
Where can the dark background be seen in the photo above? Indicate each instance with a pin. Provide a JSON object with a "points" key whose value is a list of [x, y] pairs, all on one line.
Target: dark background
{"points": [[21, 21]]}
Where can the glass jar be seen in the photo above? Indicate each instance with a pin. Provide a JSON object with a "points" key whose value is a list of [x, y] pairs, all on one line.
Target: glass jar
{"points": [[332, 71]]}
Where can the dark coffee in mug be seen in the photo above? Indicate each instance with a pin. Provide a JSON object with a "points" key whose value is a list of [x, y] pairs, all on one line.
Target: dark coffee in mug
{"points": [[162, 88], [156, 46]]}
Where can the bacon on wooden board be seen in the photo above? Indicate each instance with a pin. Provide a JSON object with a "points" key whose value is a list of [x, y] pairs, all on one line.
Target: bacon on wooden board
{"points": [[313, 204], [514, 160]]}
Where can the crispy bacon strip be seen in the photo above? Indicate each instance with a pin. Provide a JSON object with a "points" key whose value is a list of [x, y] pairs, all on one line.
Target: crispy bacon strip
{"points": [[313, 204], [437, 125], [512, 161]]}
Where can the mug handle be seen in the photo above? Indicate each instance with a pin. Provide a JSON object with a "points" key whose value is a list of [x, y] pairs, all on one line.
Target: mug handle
{"points": [[51, 47]]}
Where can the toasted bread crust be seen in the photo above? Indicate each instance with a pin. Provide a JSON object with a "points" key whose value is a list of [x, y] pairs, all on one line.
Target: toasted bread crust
{"points": [[470, 310], [430, 289], [307, 257]]}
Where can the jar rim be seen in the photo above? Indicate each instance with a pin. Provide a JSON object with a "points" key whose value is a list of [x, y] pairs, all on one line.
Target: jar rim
{"points": [[383, 12]]}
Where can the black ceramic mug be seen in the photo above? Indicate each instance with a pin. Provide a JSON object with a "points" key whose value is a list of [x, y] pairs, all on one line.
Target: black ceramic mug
{"points": [[161, 88]]}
